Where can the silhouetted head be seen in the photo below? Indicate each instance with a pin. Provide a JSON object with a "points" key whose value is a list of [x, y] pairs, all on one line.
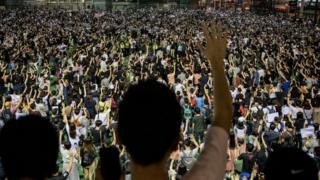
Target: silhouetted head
{"points": [[197, 110], [29, 148], [273, 126], [290, 163], [149, 122], [249, 147]]}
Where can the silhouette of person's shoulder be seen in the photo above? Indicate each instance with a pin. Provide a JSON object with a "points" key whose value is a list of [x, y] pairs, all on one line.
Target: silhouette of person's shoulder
{"points": [[29, 147]]}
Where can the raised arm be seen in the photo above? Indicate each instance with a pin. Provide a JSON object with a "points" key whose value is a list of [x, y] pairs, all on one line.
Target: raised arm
{"points": [[206, 92], [84, 90], [212, 161], [215, 52], [3, 103], [64, 114]]}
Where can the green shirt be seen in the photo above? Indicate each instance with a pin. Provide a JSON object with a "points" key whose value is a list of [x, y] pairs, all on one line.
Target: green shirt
{"points": [[199, 123]]}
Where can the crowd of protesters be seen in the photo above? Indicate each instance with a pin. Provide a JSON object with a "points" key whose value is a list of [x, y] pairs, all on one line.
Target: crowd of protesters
{"points": [[74, 68]]}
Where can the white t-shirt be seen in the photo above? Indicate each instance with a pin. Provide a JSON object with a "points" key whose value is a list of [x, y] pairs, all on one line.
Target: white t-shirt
{"points": [[240, 133], [179, 87], [261, 73], [103, 116], [268, 109], [294, 111], [73, 141], [285, 110], [20, 114], [307, 114], [103, 66]]}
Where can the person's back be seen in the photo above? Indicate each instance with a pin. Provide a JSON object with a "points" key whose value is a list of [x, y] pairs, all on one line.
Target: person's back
{"points": [[199, 122], [29, 148], [96, 133], [248, 159], [299, 122], [110, 166]]}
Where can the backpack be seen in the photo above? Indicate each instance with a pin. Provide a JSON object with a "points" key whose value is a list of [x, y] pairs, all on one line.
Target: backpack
{"points": [[272, 110], [7, 115], [187, 113], [188, 160], [258, 115], [87, 159]]}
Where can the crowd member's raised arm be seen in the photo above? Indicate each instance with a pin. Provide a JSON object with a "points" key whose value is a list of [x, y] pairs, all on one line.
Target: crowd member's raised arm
{"points": [[215, 52], [3, 67], [65, 119], [3, 102], [281, 73], [172, 175], [27, 78], [303, 74], [249, 109], [84, 90], [212, 161], [88, 68], [208, 96], [80, 103]]}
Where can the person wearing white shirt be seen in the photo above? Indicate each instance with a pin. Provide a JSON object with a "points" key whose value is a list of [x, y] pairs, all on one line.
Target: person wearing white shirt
{"points": [[285, 110], [103, 117], [103, 66], [178, 87], [294, 111]]}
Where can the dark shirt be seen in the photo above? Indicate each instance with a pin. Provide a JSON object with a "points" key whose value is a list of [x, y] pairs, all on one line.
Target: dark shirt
{"points": [[90, 105], [299, 123], [199, 123], [60, 176], [96, 135], [261, 159], [248, 161]]}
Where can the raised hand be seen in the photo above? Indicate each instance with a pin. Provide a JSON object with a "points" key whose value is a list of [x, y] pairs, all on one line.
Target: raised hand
{"points": [[216, 44], [215, 52]]}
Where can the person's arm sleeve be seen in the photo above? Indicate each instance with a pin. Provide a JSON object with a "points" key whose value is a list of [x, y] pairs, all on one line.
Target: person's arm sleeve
{"points": [[213, 158]]}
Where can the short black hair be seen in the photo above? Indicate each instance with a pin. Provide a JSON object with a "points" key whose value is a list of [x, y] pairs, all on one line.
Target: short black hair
{"points": [[273, 126], [149, 121], [290, 163], [249, 147], [29, 148], [197, 110]]}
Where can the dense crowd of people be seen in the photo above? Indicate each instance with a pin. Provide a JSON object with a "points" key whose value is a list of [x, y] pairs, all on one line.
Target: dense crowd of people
{"points": [[75, 67]]}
